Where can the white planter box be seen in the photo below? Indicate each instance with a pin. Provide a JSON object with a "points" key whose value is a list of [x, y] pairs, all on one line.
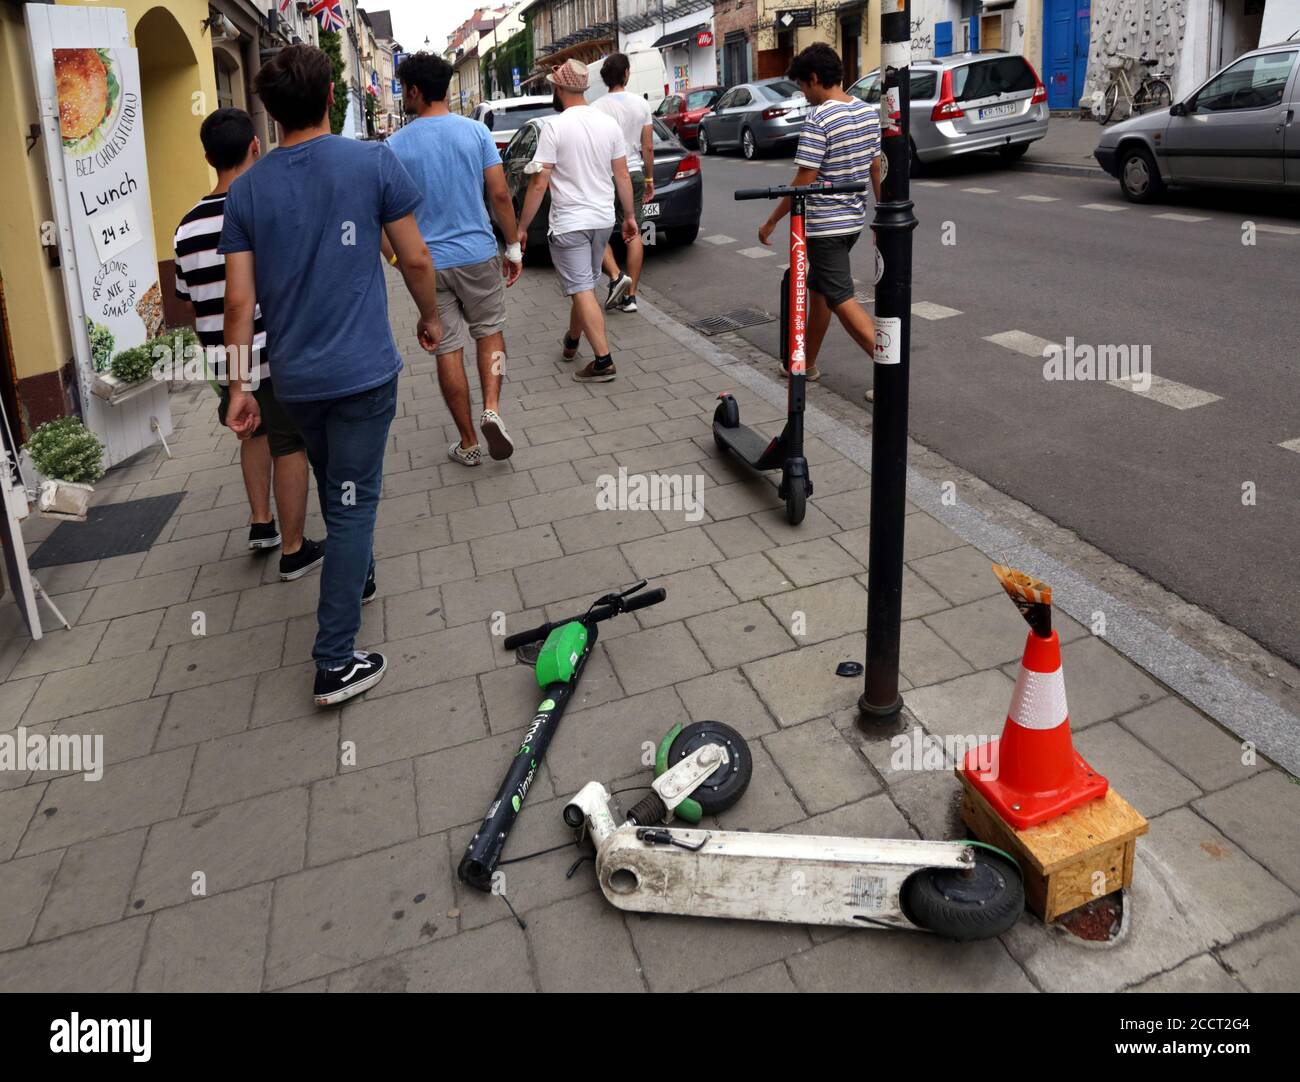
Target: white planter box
{"points": [[68, 500]]}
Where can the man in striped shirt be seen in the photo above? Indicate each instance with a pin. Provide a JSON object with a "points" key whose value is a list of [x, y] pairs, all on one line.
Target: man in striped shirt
{"points": [[840, 142], [231, 148]]}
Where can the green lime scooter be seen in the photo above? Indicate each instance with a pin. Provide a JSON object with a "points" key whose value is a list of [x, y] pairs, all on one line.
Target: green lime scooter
{"points": [[566, 645]]}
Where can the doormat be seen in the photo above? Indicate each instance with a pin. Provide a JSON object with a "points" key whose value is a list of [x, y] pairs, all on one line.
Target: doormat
{"points": [[112, 529]]}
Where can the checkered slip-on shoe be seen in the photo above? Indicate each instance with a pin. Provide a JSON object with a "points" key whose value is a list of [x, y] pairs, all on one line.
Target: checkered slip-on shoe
{"points": [[500, 445], [465, 456]]}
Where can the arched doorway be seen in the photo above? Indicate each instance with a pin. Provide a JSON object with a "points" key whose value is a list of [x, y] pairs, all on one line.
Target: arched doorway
{"points": [[174, 104]]}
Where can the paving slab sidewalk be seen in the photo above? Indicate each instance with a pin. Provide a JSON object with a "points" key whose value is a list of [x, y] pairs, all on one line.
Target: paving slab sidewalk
{"points": [[325, 841]]}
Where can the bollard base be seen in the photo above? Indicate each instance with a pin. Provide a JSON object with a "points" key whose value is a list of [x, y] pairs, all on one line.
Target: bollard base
{"points": [[873, 718]]}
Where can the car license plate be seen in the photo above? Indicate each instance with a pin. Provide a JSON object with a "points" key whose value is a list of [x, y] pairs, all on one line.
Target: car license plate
{"points": [[650, 210], [990, 111]]}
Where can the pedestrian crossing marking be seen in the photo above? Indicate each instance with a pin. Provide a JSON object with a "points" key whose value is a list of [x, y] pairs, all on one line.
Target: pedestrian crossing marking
{"points": [[1284, 230], [1166, 391], [981, 191], [932, 183], [1291, 445], [719, 238], [1172, 216], [757, 252], [1039, 198], [930, 310], [1021, 342], [1111, 207]]}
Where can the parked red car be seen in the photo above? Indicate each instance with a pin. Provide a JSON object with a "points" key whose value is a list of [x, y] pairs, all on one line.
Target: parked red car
{"points": [[682, 111]]}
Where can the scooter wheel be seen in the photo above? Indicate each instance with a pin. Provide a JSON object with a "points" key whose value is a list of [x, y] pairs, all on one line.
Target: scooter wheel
{"points": [[721, 789], [796, 501], [980, 902], [727, 415]]}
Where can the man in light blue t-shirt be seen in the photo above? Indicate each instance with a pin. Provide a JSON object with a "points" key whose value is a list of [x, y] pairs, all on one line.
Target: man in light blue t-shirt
{"points": [[452, 159], [301, 234]]}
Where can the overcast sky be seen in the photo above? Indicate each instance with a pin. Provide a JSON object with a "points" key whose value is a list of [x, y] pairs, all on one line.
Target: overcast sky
{"points": [[413, 20]]}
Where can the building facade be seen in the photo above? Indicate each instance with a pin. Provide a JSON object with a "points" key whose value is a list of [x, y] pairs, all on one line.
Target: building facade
{"points": [[682, 33]]}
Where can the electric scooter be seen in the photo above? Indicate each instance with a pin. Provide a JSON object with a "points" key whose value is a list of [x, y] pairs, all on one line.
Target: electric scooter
{"points": [[784, 452], [960, 890], [566, 646]]}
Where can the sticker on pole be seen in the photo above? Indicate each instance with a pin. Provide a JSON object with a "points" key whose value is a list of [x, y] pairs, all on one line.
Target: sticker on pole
{"points": [[893, 113], [880, 265], [889, 340]]}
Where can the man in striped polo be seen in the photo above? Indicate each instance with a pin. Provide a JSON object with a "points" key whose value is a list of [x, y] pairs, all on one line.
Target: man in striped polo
{"points": [[840, 142], [275, 449]]}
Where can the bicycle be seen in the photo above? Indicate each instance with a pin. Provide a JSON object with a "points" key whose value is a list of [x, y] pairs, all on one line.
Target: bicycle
{"points": [[1152, 93]]}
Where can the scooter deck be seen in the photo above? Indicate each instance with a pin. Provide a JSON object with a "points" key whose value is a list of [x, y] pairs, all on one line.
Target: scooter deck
{"points": [[789, 878], [751, 446]]}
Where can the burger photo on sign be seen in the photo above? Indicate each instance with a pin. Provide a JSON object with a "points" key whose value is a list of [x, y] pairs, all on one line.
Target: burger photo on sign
{"points": [[89, 96]]}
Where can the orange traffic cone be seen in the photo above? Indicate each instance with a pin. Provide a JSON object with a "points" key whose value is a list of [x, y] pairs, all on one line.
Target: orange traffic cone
{"points": [[1034, 773]]}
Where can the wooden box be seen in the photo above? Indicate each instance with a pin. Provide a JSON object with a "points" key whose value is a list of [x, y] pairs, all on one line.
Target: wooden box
{"points": [[1062, 858]]}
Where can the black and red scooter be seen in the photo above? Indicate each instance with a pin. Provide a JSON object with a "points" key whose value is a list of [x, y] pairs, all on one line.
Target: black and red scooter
{"points": [[784, 452]]}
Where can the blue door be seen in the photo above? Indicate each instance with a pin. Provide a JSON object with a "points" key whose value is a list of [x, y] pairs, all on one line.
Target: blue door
{"points": [[1065, 50]]}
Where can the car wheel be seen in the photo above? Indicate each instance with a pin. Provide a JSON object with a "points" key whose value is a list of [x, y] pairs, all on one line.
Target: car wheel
{"points": [[748, 145], [686, 235], [1012, 152], [1139, 176], [705, 144]]}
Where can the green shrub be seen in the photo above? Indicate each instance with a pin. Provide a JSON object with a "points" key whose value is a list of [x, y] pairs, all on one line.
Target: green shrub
{"points": [[66, 450], [137, 363], [133, 364]]}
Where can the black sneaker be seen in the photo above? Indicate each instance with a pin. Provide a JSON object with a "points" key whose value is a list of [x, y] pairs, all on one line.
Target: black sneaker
{"points": [[311, 555], [263, 535], [335, 685], [618, 288], [368, 594], [627, 304]]}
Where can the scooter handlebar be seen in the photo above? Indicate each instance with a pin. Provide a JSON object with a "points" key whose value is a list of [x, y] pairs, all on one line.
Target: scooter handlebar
{"points": [[600, 612], [780, 191]]}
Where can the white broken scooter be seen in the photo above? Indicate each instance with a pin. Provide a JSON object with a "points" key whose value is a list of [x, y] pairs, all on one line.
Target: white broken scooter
{"points": [[960, 890]]}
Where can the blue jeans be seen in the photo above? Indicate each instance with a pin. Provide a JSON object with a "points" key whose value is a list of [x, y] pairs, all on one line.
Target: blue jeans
{"points": [[346, 439]]}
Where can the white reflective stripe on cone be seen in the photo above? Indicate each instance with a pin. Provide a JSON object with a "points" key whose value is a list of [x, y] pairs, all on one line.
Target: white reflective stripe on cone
{"points": [[1039, 699]]}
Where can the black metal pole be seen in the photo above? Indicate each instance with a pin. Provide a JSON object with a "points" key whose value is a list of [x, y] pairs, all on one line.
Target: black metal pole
{"points": [[894, 221]]}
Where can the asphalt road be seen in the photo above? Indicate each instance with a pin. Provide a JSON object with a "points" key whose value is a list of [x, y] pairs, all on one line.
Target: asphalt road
{"points": [[1163, 489]]}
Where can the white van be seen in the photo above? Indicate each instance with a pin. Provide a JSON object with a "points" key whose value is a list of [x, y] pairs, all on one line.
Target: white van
{"points": [[645, 76]]}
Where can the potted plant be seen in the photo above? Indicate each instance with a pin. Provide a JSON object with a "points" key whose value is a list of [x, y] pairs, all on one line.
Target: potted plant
{"points": [[69, 457]]}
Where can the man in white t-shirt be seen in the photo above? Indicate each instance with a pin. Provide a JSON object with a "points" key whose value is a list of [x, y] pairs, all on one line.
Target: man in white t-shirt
{"points": [[632, 112], [580, 157]]}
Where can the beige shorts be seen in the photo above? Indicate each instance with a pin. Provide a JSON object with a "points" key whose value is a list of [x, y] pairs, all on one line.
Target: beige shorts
{"points": [[471, 303]]}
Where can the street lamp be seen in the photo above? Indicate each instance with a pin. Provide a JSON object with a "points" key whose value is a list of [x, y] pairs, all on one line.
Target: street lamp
{"points": [[894, 221]]}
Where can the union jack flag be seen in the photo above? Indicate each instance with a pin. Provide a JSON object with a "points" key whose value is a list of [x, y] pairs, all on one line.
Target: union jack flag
{"points": [[285, 5], [329, 13]]}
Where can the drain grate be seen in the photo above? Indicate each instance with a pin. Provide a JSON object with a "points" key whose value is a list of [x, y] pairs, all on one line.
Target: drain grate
{"points": [[732, 320]]}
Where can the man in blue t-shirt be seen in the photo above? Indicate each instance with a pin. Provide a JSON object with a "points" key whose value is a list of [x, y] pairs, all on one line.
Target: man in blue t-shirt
{"points": [[301, 235], [452, 159]]}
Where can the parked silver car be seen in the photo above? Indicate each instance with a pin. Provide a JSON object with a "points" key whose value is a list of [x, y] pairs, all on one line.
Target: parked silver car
{"points": [[754, 117], [1237, 129], [970, 102]]}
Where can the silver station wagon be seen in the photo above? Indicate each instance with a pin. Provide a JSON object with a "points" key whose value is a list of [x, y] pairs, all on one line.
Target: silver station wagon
{"points": [[969, 102]]}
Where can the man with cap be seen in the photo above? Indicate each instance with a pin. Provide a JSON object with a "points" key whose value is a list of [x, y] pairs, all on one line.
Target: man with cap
{"points": [[582, 159]]}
